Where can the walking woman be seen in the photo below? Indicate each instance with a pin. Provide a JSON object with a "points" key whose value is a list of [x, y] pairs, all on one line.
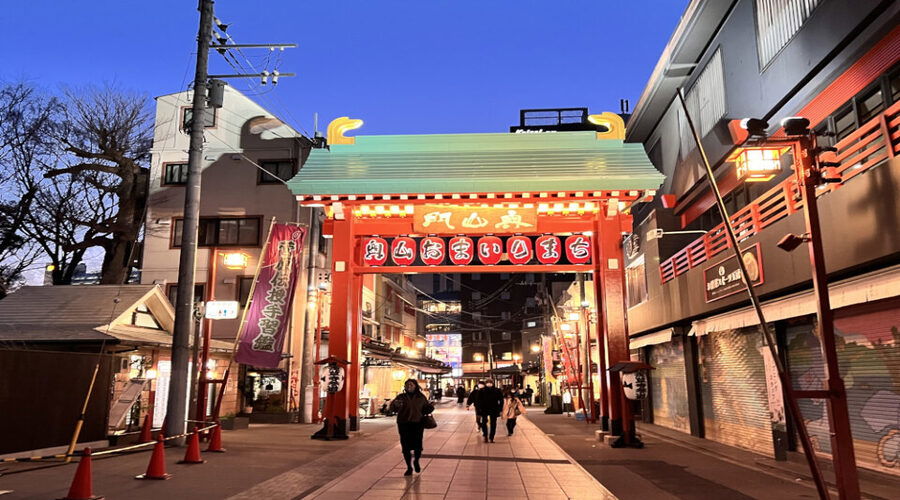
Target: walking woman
{"points": [[411, 407], [512, 408]]}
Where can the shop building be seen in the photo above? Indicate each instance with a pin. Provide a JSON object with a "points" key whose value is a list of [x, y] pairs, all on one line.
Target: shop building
{"points": [[837, 63]]}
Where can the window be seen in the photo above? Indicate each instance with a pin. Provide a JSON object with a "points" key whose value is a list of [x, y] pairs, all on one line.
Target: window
{"points": [[276, 171], [636, 282], [199, 292], [862, 108], [504, 315], [705, 102], [476, 336], [506, 336], [777, 21], [244, 283], [209, 118], [870, 103], [175, 174], [222, 232]]}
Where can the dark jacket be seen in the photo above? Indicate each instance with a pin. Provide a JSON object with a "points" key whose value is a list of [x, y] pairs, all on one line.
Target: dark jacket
{"points": [[460, 392], [411, 407], [487, 401]]}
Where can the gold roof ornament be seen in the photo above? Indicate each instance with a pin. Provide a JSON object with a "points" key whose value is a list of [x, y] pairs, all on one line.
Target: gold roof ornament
{"points": [[339, 126]]}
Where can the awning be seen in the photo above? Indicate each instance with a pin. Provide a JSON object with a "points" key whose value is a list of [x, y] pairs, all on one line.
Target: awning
{"points": [[475, 163], [860, 289], [654, 338]]}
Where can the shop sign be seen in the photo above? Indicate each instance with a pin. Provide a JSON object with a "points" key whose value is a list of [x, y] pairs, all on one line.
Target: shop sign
{"points": [[403, 251], [221, 309], [452, 219], [490, 250], [578, 249], [331, 377], [432, 251], [548, 249], [724, 278], [518, 250], [461, 250], [375, 251]]}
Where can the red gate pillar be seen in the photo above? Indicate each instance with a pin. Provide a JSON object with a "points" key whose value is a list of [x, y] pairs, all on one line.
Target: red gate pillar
{"points": [[599, 303], [354, 370], [340, 326], [610, 269]]}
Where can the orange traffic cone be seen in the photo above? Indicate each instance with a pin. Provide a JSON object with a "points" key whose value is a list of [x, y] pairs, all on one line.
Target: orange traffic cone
{"points": [[192, 454], [146, 430], [215, 439], [156, 469], [82, 484]]}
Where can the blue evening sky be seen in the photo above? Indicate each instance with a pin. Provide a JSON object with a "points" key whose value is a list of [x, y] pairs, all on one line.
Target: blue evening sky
{"points": [[425, 66]]}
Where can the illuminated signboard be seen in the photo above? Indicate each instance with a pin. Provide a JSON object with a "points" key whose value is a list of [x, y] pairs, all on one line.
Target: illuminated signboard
{"points": [[451, 219]]}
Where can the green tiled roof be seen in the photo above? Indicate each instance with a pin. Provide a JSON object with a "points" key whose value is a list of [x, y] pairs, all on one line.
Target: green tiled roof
{"points": [[476, 163]]}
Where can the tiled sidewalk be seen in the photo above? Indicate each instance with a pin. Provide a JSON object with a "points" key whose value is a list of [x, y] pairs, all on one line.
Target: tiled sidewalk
{"points": [[458, 464]]}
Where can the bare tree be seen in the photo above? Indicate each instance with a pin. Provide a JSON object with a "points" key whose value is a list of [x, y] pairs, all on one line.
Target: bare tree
{"points": [[107, 134], [27, 122]]}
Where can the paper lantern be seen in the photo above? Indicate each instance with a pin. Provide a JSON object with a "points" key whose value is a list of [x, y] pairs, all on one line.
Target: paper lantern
{"points": [[490, 250], [375, 251], [518, 250], [432, 250], [403, 251], [461, 250], [548, 249], [578, 249]]}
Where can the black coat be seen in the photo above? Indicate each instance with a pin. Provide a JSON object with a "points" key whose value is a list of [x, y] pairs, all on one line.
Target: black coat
{"points": [[411, 407], [487, 401], [460, 392]]}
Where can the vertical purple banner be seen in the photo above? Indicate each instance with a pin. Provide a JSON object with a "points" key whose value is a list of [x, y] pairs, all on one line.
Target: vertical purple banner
{"points": [[269, 312]]}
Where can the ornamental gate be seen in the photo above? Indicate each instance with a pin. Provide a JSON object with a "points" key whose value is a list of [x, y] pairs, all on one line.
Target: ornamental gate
{"points": [[476, 203]]}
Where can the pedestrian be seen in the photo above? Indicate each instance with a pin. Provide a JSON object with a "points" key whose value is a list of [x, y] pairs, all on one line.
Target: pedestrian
{"points": [[460, 395], [512, 408], [411, 407], [529, 394], [488, 401]]}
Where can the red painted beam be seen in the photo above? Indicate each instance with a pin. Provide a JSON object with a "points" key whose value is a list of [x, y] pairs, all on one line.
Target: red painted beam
{"points": [[531, 268]]}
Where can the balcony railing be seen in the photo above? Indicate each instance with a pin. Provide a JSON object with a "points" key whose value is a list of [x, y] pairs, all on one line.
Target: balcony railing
{"points": [[858, 152]]}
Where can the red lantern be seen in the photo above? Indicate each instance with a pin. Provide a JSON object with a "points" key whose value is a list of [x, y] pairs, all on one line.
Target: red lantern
{"points": [[518, 249], [432, 250], [578, 249], [403, 251], [461, 250], [490, 250], [548, 249], [375, 251]]}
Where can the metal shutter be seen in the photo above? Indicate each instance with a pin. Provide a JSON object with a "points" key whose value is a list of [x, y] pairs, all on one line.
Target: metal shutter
{"points": [[668, 388], [868, 347], [733, 385]]}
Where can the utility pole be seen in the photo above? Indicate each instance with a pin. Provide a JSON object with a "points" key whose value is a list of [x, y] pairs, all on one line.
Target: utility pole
{"points": [[176, 408]]}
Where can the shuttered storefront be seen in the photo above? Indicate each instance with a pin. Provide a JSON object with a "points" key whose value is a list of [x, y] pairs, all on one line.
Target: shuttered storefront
{"points": [[733, 386], [868, 348], [668, 389]]}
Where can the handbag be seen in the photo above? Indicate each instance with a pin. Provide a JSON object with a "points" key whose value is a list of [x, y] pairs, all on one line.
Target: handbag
{"points": [[428, 422]]}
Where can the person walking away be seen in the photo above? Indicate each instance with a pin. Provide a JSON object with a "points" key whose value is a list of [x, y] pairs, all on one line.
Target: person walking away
{"points": [[512, 408], [460, 395], [411, 406], [488, 403], [471, 400], [529, 394]]}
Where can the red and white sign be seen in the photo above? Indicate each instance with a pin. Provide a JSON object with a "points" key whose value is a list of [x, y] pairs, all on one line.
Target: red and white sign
{"points": [[375, 251], [518, 249], [403, 251], [432, 250], [548, 249], [490, 250], [578, 249], [462, 250]]}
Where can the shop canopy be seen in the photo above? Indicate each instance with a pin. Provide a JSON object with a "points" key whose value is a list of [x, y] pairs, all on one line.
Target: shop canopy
{"points": [[465, 164]]}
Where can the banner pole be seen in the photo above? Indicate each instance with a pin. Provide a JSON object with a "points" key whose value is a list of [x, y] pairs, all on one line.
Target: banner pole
{"points": [[237, 337]]}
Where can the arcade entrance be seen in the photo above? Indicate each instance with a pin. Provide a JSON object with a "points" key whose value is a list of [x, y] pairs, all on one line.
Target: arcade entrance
{"points": [[476, 203]]}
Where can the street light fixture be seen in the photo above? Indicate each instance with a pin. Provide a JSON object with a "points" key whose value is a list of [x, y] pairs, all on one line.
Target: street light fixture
{"points": [[758, 163], [535, 348], [478, 357]]}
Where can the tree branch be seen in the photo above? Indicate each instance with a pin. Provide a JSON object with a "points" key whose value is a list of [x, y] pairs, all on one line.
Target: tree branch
{"points": [[82, 167]]}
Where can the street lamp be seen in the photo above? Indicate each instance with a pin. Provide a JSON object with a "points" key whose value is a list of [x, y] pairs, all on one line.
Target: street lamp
{"points": [[420, 344], [535, 348], [758, 163]]}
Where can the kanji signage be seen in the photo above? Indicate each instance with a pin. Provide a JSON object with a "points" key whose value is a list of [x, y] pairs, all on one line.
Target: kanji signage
{"points": [[375, 251], [403, 251], [452, 219], [724, 278], [433, 250], [578, 249], [518, 250], [462, 250], [490, 250], [548, 249]]}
